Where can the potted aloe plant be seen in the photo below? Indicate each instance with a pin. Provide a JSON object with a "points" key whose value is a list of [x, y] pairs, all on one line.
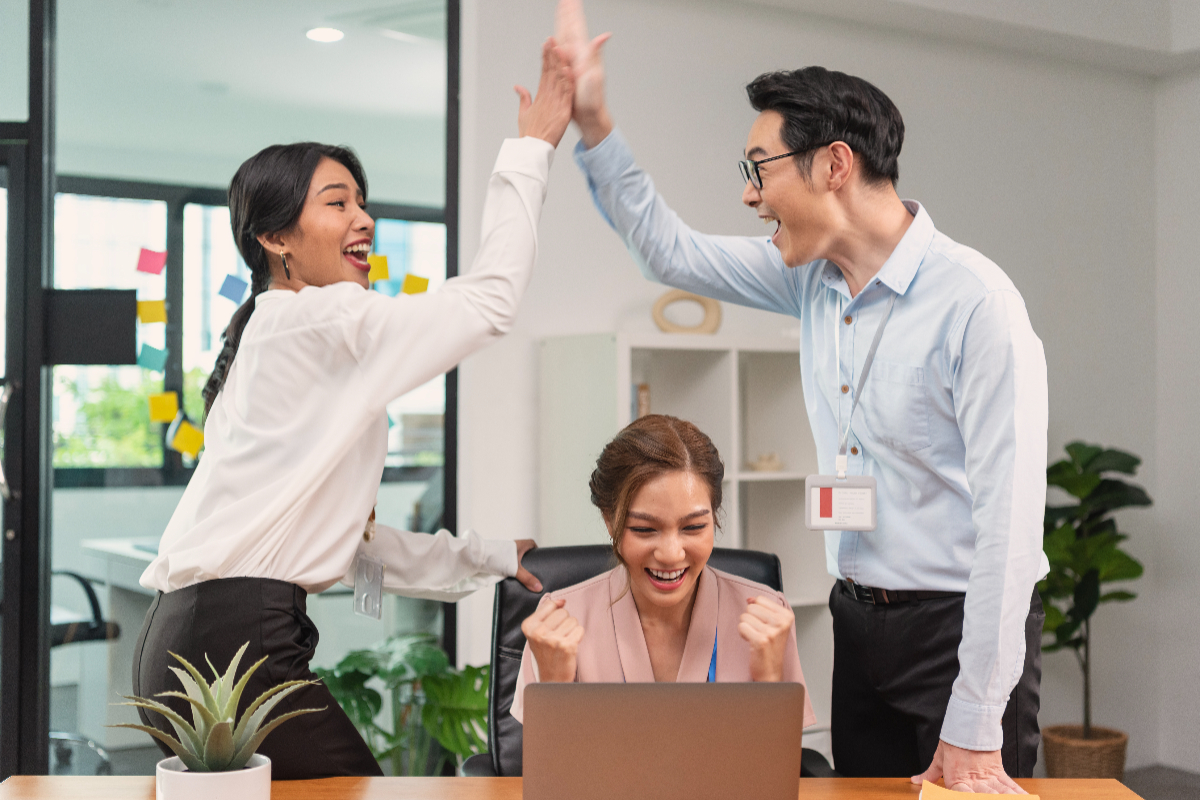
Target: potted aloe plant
{"points": [[1082, 544], [215, 754]]}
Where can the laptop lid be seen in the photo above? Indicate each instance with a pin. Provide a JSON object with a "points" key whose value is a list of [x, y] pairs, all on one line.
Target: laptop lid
{"points": [[690, 741]]}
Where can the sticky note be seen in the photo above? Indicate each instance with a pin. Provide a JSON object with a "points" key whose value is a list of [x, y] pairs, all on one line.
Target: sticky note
{"points": [[931, 791], [390, 287], [234, 288], [152, 358], [164, 407], [379, 270], [151, 261], [152, 311], [188, 439], [414, 285]]}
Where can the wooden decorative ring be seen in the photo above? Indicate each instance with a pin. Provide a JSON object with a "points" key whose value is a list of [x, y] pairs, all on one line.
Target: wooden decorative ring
{"points": [[712, 313]]}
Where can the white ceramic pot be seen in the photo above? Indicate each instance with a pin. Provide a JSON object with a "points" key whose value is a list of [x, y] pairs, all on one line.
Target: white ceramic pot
{"points": [[174, 782]]}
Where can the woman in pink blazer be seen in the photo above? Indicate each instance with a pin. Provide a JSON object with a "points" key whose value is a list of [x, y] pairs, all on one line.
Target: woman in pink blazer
{"points": [[662, 614]]}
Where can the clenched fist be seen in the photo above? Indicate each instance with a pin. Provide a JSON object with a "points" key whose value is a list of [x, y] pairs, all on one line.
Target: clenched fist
{"points": [[765, 625], [553, 636]]}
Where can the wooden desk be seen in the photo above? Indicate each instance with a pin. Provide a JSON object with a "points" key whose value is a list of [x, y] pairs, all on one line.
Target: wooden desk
{"points": [[41, 788]]}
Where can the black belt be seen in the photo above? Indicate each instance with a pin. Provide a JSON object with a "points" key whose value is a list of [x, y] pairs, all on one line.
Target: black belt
{"points": [[869, 594]]}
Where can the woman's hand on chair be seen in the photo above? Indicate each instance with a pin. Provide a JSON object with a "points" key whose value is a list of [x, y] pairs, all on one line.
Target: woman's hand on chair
{"points": [[765, 625], [527, 578], [553, 636]]}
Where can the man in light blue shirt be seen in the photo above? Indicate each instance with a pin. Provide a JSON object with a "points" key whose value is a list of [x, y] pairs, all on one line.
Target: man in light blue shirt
{"points": [[936, 638]]}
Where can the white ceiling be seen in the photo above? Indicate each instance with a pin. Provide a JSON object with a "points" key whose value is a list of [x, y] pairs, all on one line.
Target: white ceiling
{"points": [[183, 91], [1149, 37]]}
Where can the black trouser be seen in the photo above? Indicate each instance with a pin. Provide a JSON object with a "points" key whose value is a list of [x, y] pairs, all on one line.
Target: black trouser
{"points": [[893, 668], [215, 618]]}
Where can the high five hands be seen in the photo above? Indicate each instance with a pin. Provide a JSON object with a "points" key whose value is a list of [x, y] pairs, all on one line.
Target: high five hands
{"points": [[547, 115], [587, 64]]}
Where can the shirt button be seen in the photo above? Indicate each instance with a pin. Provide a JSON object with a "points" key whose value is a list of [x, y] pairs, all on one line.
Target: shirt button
{"points": [[849, 319], [845, 389], [853, 451]]}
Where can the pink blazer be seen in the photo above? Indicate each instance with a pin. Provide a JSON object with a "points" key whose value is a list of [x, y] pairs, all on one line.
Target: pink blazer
{"points": [[613, 648]]}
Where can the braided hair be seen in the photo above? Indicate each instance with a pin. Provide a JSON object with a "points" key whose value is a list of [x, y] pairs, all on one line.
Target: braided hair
{"points": [[267, 195], [646, 448]]}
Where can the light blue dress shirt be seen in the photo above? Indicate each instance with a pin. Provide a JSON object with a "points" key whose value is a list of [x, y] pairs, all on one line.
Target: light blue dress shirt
{"points": [[952, 419]]}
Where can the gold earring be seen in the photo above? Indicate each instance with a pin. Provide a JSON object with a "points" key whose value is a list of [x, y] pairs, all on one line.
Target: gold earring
{"points": [[286, 271]]}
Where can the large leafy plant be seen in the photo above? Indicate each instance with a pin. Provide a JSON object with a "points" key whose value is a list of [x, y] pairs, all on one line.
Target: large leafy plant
{"points": [[430, 702], [1082, 544], [216, 741]]}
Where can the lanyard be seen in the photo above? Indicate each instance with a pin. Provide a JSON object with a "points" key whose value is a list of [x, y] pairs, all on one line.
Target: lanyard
{"points": [[862, 378]]}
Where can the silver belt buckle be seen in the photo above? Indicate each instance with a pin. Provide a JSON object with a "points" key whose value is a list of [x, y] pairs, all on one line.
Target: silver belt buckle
{"points": [[861, 593]]}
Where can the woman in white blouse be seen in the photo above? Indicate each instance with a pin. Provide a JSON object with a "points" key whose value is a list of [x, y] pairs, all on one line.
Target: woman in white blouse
{"points": [[281, 503]]}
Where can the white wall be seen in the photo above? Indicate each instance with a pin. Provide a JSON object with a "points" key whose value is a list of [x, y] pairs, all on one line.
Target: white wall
{"points": [[1178, 429], [1043, 166]]}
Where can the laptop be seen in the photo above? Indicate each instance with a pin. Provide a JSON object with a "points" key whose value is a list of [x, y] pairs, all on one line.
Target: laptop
{"points": [[666, 741]]}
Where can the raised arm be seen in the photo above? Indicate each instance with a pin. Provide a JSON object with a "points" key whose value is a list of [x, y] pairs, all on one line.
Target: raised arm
{"points": [[737, 269], [402, 342]]}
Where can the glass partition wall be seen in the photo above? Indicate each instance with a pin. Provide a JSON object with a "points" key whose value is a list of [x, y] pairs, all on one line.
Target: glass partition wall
{"points": [[143, 157]]}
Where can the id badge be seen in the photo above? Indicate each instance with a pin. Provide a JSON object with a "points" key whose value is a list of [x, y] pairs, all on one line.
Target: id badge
{"points": [[839, 504], [368, 586]]}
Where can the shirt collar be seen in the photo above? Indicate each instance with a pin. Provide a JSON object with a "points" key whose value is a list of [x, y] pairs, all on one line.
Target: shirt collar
{"points": [[898, 271]]}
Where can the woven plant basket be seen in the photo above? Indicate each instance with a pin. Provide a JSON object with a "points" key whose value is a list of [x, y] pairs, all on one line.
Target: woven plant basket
{"points": [[1069, 755]]}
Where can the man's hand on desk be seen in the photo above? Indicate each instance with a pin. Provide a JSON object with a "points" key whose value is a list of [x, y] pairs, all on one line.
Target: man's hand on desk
{"points": [[979, 771]]}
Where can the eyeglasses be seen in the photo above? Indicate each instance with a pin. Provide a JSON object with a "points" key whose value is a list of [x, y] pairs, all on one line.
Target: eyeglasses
{"points": [[750, 171]]}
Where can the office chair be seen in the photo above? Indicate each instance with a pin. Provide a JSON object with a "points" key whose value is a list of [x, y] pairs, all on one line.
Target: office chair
{"points": [[558, 568], [73, 753]]}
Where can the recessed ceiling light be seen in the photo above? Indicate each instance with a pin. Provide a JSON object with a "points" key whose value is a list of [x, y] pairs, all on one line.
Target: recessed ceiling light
{"points": [[325, 34]]}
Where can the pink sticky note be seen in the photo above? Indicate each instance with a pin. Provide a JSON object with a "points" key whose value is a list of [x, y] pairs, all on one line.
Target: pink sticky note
{"points": [[151, 261]]}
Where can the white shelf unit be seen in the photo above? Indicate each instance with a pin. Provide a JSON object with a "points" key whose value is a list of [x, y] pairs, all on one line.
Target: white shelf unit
{"points": [[745, 393]]}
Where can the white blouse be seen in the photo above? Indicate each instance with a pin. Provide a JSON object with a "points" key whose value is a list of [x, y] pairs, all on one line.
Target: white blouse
{"points": [[296, 440]]}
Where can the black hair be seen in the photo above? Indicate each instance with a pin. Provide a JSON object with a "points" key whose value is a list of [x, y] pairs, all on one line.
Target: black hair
{"points": [[820, 107], [266, 195]]}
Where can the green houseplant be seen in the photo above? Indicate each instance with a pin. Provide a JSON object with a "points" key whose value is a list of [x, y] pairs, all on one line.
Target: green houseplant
{"points": [[430, 702], [1083, 546], [216, 741]]}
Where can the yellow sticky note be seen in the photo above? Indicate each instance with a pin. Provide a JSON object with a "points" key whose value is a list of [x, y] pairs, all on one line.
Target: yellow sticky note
{"points": [[152, 310], [164, 407], [188, 439], [414, 285], [931, 791], [379, 270]]}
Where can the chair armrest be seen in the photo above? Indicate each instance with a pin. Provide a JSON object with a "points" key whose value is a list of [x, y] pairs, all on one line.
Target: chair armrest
{"points": [[814, 765], [478, 766]]}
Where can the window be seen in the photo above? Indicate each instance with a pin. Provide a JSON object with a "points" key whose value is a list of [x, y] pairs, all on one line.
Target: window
{"points": [[101, 415], [103, 435]]}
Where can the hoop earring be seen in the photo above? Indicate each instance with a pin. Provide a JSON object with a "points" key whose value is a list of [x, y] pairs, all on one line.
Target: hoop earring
{"points": [[286, 271]]}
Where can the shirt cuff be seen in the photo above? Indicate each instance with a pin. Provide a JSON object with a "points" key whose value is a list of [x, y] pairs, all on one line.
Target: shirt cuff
{"points": [[607, 161], [499, 557], [528, 155], [972, 726]]}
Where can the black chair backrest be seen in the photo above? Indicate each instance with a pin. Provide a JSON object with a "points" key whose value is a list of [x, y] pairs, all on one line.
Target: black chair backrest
{"points": [[557, 568]]}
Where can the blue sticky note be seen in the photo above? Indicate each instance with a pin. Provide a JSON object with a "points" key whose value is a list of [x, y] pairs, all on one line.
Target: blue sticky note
{"points": [[234, 288], [152, 358], [390, 287]]}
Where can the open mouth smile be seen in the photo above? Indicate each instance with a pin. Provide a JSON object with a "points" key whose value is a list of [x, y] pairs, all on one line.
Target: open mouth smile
{"points": [[778, 228], [666, 580], [357, 254]]}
